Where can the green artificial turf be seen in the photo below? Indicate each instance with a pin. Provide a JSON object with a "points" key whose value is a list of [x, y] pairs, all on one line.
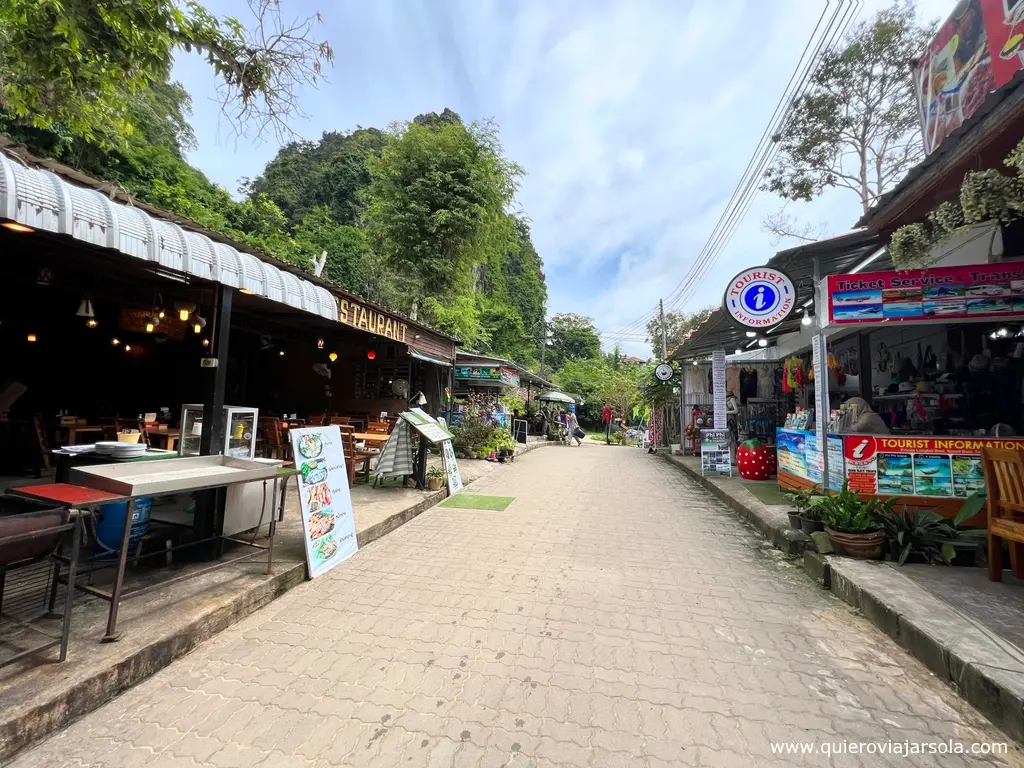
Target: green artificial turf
{"points": [[766, 491], [475, 501]]}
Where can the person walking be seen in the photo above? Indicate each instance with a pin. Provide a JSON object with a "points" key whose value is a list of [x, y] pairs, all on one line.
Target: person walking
{"points": [[573, 425], [606, 419]]}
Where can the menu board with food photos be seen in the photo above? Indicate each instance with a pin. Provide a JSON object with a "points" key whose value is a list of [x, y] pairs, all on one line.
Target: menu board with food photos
{"points": [[328, 522]]}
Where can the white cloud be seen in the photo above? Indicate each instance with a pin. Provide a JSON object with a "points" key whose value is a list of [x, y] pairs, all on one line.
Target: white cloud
{"points": [[634, 119]]}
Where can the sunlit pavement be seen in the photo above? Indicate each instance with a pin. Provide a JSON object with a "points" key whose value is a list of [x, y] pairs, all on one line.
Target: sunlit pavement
{"points": [[613, 615]]}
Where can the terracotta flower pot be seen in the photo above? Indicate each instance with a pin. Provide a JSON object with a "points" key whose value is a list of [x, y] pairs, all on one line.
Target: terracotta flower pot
{"points": [[435, 483], [863, 546]]}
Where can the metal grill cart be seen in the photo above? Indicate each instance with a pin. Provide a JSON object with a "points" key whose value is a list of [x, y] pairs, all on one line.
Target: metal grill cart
{"points": [[98, 485]]}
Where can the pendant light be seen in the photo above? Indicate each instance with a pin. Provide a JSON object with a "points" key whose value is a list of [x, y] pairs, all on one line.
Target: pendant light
{"points": [[85, 308], [184, 309], [198, 323], [333, 356], [91, 323], [319, 343]]}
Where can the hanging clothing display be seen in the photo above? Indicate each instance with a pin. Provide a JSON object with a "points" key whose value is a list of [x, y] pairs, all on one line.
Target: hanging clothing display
{"points": [[748, 384], [654, 431], [732, 380]]}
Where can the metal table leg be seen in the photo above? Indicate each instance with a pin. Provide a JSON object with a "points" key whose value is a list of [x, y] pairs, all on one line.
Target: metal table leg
{"points": [[115, 595], [72, 567]]}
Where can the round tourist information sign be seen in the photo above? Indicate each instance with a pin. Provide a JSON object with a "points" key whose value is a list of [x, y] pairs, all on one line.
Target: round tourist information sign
{"points": [[663, 372], [759, 298]]}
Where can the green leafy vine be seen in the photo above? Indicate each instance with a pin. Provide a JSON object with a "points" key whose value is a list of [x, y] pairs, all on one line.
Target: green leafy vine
{"points": [[988, 195]]}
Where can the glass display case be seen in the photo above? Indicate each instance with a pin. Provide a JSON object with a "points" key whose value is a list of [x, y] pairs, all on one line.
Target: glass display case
{"points": [[239, 431]]}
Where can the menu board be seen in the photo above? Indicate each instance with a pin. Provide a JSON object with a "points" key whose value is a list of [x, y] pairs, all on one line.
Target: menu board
{"points": [[451, 468], [426, 425], [715, 455], [328, 522], [718, 387], [943, 467]]}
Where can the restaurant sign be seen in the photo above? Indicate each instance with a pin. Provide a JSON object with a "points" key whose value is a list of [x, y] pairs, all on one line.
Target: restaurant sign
{"points": [[760, 298], [495, 373], [918, 466], [944, 293], [976, 51], [363, 318]]}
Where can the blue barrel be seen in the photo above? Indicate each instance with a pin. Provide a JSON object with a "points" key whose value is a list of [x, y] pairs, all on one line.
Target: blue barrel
{"points": [[110, 526]]}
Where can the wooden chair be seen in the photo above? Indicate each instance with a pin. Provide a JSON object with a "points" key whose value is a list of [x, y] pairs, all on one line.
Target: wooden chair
{"points": [[381, 427], [340, 420], [110, 429], [269, 428], [353, 457], [316, 420], [1004, 481]]}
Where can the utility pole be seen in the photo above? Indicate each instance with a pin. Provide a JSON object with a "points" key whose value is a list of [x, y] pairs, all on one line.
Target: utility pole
{"points": [[664, 338]]}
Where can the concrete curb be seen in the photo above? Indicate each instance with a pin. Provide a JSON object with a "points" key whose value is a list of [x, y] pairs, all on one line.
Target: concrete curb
{"points": [[985, 670], [744, 503], [27, 728]]}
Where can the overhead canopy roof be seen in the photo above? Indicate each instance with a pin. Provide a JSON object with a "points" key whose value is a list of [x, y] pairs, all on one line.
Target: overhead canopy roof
{"points": [[994, 128], [43, 199], [835, 255]]}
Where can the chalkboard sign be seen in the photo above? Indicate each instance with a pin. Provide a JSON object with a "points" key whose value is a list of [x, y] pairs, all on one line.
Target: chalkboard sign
{"points": [[519, 429]]}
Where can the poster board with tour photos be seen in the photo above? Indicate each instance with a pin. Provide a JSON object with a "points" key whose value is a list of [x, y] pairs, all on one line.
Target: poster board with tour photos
{"points": [[715, 453], [328, 522], [451, 468]]}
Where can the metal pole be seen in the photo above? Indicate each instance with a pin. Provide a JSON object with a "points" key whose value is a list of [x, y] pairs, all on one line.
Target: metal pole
{"points": [[820, 357], [664, 338]]}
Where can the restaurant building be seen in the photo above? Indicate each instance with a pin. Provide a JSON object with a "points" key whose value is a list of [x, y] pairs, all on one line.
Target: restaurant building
{"points": [[113, 309]]}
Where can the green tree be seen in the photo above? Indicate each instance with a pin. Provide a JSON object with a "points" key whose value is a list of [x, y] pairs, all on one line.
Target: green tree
{"points": [[572, 337], [677, 325], [857, 126], [75, 64], [348, 251], [436, 204], [331, 173]]}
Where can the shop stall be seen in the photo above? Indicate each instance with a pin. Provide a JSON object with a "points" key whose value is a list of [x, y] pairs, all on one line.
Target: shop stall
{"points": [[943, 382]]}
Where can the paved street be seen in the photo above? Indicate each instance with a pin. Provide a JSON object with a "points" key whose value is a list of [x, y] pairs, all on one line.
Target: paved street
{"points": [[614, 615]]}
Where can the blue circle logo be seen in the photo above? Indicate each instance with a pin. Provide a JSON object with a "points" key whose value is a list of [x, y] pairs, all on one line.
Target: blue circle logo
{"points": [[760, 298]]}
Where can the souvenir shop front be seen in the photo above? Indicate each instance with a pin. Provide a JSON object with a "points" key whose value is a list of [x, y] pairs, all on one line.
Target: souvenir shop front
{"points": [[941, 379], [766, 354]]}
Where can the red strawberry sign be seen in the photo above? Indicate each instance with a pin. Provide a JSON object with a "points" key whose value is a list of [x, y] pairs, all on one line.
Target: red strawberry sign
{"points": [[754, 460]]}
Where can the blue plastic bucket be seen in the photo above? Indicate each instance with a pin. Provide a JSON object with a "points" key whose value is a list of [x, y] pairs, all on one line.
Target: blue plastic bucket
{"points": [[110, 526]]}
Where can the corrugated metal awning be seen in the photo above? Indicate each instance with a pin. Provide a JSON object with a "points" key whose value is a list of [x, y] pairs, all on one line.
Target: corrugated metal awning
{"points": [[429, 359], [44, 201]]}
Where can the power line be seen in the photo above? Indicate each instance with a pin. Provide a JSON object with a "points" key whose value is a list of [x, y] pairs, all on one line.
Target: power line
{"points": [[745, 190]]}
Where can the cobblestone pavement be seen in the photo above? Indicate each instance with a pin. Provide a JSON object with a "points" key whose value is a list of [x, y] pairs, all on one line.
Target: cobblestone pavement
{"points": [[613, 615]]}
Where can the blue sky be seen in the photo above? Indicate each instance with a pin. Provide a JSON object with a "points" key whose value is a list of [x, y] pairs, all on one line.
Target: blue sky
{"points": [[634, 121]]}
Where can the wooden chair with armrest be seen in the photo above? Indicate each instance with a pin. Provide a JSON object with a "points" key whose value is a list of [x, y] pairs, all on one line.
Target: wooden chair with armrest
{"points": [[1004, 483]]}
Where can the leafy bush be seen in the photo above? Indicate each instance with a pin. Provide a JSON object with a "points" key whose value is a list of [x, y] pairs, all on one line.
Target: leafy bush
{"points": [[923, 532]]}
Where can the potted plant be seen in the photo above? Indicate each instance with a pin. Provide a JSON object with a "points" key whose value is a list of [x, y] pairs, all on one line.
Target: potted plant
{"points": [[921, 536], [853, 525], [801, 501], [435, 478], [925, 536]]}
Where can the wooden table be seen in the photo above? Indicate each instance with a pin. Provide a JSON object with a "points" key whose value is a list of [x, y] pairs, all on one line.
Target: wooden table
{"points": [[378, 438], [73, 432], [167, 436]]}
